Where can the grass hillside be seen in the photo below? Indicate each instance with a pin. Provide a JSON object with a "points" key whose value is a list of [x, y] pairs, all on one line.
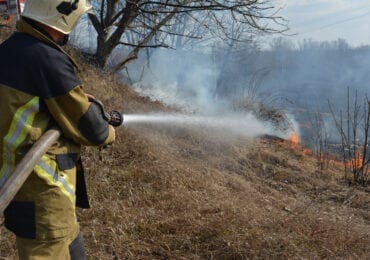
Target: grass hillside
{"points": [[180, 193]]}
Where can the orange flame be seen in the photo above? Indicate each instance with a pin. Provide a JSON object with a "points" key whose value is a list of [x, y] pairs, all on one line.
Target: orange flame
{"points": [[293, 139], [355, 163]]}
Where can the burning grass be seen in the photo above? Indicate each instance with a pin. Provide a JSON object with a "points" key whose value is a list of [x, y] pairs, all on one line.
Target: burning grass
{"points": [[180, 193]]}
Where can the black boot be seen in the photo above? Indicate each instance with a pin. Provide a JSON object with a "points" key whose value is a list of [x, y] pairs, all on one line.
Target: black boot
{"points": [[77, 248]]}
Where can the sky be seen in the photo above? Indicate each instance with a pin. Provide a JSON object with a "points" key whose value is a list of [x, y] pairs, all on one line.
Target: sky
{"points": [[327, 20]]}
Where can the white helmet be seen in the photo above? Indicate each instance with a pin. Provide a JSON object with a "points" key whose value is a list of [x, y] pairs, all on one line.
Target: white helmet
{"points": [[61, 15]]}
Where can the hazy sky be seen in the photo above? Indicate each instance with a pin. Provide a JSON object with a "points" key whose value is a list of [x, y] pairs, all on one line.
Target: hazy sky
{"points": [[324, 20]]}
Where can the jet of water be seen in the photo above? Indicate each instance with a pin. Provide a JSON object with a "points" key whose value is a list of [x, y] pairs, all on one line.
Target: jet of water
{"points": [[236, 124]]}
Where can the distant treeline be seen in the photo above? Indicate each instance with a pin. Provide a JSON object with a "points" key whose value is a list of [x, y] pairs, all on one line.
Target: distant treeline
{"points": [[295, 76]]}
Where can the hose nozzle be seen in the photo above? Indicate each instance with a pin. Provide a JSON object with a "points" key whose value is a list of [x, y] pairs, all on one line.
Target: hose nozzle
{"points": [[114, 117]]}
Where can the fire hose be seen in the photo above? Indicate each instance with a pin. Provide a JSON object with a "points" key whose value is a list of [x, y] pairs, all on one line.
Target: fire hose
{"points": [[25, 167], [33, 156]]}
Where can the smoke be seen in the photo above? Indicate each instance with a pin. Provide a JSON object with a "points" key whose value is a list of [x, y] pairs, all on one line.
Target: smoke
{"points": [[180, 78], [299, 79], [310, 74], [202, 83], [315, 74]]}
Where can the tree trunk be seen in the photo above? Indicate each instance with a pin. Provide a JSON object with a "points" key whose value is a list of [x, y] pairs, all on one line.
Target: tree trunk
{"points": [[103, 51]]}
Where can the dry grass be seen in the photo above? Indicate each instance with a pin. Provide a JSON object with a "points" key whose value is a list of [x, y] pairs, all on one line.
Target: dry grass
{"points": [[180, 193], [175, 195]]}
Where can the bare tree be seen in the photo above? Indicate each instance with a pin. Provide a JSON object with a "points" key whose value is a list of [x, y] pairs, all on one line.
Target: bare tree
{"points": [[138, 24], [320, 139], [354, 131]]}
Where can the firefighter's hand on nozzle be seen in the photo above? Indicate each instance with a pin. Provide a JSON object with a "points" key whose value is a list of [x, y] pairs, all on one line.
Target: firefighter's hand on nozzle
{"points": [[114, 117]]}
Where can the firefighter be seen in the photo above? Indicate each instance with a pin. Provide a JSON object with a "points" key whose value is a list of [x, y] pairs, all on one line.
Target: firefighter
{"points": [[39, 90]]}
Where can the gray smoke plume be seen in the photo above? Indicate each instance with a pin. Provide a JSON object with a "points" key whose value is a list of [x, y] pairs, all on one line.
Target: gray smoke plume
{"points": [[180, 78], [299, 79]]}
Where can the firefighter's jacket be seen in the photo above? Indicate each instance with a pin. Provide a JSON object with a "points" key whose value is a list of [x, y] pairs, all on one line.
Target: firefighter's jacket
{"points": [[40, 89]]}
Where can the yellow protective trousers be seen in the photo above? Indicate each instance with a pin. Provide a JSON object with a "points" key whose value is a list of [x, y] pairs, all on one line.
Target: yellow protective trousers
{"points": [[42, 214]]}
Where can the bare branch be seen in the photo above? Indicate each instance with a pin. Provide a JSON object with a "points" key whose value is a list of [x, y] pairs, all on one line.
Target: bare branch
{"points": [[205, 19]]}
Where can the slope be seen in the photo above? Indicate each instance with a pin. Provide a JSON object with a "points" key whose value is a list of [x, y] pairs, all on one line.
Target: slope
{"points": [[181, 193]]}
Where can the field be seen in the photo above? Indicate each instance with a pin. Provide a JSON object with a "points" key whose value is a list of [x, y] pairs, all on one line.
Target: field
{"points": [[182, 193]]}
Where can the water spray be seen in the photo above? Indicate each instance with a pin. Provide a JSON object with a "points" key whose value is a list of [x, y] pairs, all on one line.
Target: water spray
{"points": [[245, 124], [242, 124]]}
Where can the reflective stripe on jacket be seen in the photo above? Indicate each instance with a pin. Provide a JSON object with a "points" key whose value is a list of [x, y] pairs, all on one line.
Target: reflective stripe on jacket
{"points": [[39, 89]]}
